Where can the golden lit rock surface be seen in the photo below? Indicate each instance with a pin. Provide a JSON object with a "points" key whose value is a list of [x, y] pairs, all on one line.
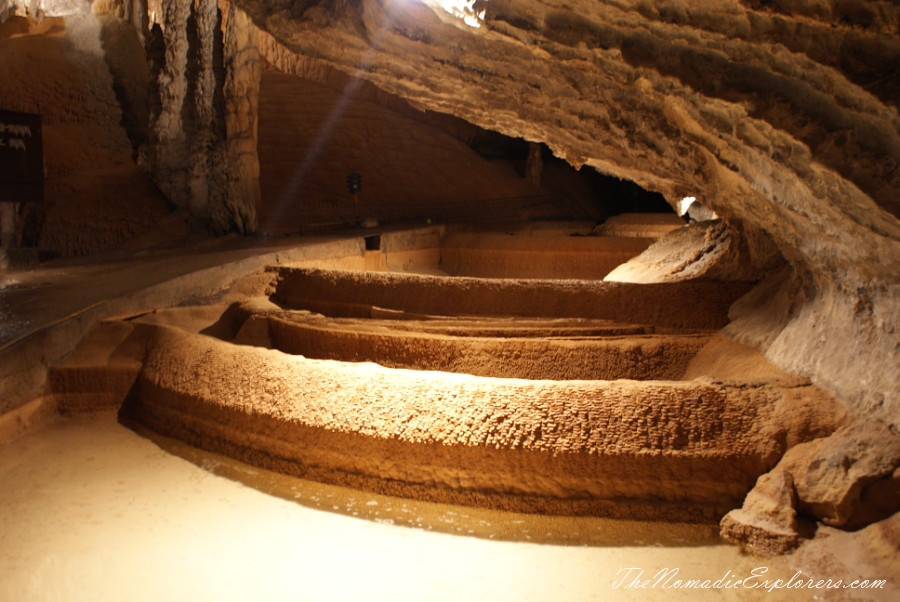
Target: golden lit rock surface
{"points": [[681, 450], [660, 448], [767, 522], [849, 479], [780, 116]]}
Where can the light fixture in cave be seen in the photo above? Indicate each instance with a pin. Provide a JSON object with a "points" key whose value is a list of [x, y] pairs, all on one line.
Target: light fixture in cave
{"points": [[465, 10], [690, 209], [685, 204]]}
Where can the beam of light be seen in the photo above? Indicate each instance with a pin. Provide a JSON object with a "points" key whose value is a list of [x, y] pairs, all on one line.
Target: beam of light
{"points": [[328, 125], [313, 152], [462, 9]]}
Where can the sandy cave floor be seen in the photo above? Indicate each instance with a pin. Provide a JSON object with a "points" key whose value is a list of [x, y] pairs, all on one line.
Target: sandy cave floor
{"points": [[100, 513]]}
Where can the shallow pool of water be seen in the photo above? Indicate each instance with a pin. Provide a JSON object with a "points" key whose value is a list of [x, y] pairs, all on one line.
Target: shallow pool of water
{"points": [[90, 510]]}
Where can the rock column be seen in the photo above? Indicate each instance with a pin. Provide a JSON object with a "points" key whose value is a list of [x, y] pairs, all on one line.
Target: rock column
{"points": [[242, 77], [202, 143]]}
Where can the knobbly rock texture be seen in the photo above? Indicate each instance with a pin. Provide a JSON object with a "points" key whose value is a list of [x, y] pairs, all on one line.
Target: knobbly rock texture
{"points": [[781, 116], [694, 304], [582, 350], [662, 449], [676, 450]]}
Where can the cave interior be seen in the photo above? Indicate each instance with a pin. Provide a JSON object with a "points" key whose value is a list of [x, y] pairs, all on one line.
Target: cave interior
{"points": [[466, 225]]}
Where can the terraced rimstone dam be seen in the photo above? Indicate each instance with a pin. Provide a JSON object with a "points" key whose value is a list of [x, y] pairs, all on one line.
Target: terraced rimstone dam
{"points": [[525, 395]]}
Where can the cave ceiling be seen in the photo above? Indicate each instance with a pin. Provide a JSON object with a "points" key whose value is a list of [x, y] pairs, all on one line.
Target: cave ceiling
{"points": [[783, 114]]}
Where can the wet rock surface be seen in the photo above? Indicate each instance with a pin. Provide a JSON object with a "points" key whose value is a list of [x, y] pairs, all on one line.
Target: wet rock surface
{"points": [[781, 115], [784, 123]]}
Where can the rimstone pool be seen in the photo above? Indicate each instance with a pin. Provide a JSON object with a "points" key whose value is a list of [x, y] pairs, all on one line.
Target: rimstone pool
{"points": [[551, 396]]}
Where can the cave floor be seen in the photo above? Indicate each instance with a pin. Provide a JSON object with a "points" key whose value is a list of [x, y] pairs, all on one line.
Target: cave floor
{"points": [[92, 510], [98, 512]]}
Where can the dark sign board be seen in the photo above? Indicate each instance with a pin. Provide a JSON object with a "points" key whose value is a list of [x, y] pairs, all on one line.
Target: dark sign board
{"points": [[21, 158]]}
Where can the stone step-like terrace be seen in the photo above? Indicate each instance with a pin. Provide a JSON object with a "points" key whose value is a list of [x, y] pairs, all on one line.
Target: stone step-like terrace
{"points": [[563, 397]]}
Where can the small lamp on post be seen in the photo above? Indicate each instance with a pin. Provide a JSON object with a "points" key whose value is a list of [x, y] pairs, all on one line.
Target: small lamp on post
{"points": [[354, 185]]}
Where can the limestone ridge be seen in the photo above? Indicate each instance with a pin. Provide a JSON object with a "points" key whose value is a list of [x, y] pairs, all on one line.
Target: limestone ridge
{"points": [[782, 116], [348, 378], [847, 480]]}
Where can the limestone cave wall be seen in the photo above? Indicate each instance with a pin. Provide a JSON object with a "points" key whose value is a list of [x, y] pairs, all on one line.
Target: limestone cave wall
{"points": [[87, 79], [203, 120], [171, 113]]}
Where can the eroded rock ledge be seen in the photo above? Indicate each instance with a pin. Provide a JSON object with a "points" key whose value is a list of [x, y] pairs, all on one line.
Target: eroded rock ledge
{"points": [[685, 450], [849, 480], [653, 450], [781, 116]]}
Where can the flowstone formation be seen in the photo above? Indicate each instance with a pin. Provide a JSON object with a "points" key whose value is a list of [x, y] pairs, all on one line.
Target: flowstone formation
{"points": [[203, 121], [195, 128], [520, 395], [781, 117]]}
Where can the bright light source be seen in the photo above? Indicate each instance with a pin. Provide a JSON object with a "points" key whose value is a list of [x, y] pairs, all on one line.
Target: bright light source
{"points": [[695, 211], [685, 204], [461, 9]]}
